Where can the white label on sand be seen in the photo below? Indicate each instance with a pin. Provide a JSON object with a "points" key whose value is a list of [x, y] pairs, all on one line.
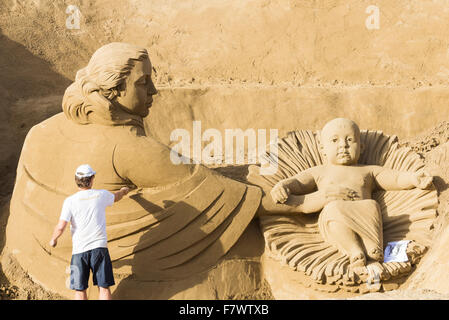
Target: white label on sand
{"points": [[396, 251]]}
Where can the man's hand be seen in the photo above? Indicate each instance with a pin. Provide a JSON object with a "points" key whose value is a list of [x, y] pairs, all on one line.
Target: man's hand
{"points": [[120, 194], [124, 190], [280, 193], [53, 243], [333, 193], [59, 229], [422, 180]]}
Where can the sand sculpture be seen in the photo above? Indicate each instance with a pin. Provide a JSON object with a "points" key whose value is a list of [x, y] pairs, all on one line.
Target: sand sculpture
{"points": [[177, 221], [320, 216]]}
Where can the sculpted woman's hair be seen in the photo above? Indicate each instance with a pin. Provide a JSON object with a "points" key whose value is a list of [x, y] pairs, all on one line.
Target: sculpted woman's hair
{"points": [[89, 98]]}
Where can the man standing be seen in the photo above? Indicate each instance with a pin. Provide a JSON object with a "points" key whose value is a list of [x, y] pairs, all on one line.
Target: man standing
{"points": [[85, 210]]}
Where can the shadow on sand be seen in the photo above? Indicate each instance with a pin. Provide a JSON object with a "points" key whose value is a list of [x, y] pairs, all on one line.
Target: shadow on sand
{"points": [[24, 77]]}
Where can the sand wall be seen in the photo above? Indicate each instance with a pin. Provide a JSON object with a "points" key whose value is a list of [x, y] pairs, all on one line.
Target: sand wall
{"points": [[284, 63], [393, 110], [270, 41]]}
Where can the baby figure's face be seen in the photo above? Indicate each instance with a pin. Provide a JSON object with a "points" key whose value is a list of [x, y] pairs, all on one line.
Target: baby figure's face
{"points": [[340, 142]]}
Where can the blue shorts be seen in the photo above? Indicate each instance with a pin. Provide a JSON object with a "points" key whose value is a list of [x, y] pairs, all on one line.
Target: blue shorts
{"points": [[97, 260]]}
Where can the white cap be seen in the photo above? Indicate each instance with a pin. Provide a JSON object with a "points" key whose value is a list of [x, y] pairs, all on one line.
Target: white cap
{"points": [[84, 171]]}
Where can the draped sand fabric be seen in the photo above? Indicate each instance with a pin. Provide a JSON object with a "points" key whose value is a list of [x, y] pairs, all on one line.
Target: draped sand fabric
{"points": [[297, 240], [363, 217]]}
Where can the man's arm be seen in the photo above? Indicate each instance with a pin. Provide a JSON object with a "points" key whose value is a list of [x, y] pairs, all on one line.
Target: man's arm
{"points": [[59, 229], [388, 179], [120, 194]]}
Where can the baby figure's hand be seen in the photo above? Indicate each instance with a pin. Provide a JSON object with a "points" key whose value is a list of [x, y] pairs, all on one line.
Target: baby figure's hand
{"points": [[422, 180], [280, 193]]}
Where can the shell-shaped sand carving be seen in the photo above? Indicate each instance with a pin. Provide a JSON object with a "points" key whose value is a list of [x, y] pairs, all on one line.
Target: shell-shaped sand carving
{"points": [[296, 241]]}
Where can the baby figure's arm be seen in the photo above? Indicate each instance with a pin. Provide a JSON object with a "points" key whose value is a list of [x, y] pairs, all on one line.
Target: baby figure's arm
{"points": [[294, 194], [299, 194], [299, 184], [388, 179]]}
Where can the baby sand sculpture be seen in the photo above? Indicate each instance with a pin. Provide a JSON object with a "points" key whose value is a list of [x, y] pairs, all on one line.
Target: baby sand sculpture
{"points": [[177, 221], [320, 215]]}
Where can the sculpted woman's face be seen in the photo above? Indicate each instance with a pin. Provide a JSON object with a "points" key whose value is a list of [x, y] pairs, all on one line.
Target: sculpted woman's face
{"points": [[136, 95]]}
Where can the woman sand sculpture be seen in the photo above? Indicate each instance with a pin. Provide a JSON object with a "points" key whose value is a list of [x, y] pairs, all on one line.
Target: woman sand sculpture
{"points": [[178, 220]]}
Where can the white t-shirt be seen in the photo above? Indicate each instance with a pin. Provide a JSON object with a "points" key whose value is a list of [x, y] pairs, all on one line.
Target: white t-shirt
{"points": [[85, 210]]}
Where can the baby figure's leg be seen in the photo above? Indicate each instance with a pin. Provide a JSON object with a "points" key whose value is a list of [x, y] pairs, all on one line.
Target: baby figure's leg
{"points": [[373, 243], [347, 242], [352, 227]]}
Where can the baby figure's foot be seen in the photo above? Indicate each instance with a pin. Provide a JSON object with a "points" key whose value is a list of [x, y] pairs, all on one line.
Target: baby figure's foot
{"points": [[358, 263], [358, 259], [415, 251], [376, 254]]}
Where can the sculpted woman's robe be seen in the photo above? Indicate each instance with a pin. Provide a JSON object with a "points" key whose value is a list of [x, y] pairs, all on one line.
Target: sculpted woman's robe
{"points": [[179, 219]]}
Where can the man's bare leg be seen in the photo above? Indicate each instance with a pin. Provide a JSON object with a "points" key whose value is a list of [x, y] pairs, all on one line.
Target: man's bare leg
{"points": [[80, 295], [105, 294]]}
